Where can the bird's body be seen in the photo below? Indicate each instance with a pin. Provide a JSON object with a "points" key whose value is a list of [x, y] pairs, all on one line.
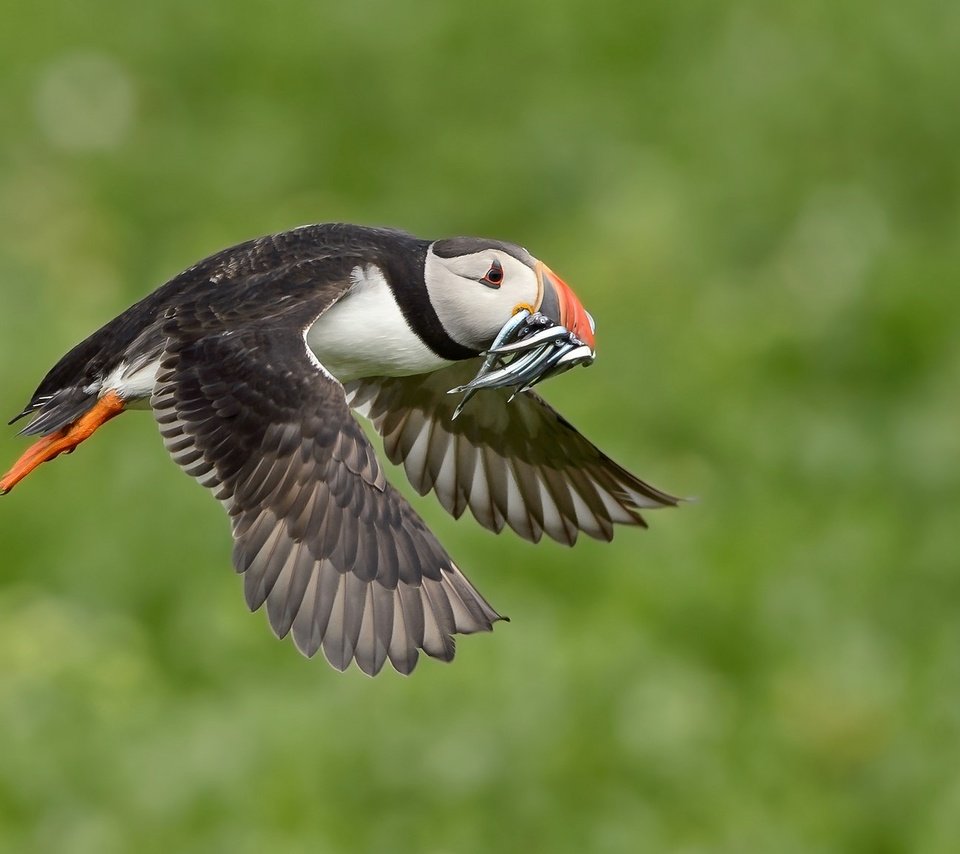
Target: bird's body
{"points": [[251, 361]]}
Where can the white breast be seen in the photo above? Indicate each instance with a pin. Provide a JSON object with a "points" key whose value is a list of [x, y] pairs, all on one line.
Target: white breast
{"points": [[365, 334]]}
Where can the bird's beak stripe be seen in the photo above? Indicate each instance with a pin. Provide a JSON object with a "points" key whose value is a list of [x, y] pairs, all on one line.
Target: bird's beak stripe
{"points": [[558, 301]]}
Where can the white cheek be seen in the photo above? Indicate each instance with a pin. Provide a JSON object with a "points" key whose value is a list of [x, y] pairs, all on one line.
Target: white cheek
{"points": [[499, 306], [522, 294], [475, 320], [473, 313], [365, 334]]}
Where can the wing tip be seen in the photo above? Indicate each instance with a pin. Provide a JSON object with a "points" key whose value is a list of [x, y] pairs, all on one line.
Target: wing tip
{"points": [[461, 611]]}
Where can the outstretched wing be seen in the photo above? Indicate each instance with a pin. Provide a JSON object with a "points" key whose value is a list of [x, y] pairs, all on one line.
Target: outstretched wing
{"points": [[338, 557], [519, 464]]}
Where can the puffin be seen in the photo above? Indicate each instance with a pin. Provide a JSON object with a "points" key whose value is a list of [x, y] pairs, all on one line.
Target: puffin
{"points": [[253, 363]]}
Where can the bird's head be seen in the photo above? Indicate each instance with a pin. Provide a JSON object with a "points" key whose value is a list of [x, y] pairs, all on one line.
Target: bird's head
{"points": [[477, 285]]}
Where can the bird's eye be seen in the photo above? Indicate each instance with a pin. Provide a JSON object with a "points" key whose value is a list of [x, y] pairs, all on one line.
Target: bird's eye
{"points": [[494, 276]]}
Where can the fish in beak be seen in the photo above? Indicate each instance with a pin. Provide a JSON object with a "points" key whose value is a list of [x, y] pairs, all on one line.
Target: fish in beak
{"points": [[532, 346]]}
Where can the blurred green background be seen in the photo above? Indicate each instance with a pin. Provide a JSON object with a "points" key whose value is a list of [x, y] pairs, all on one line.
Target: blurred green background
{"points": [[759, 204]]}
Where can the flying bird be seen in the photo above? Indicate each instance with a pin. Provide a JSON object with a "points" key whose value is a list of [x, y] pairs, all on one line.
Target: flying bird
{"points": [[253, 361]]}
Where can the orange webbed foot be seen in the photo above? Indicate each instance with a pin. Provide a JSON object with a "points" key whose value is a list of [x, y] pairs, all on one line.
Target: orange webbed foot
{"points": [[64, 441]]}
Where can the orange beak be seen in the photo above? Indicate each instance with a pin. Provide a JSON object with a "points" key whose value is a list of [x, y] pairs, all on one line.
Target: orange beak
{"points": [[560, 303]]}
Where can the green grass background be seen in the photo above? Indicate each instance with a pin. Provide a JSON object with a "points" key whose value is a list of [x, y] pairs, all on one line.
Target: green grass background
{"points": [[759, 204]]}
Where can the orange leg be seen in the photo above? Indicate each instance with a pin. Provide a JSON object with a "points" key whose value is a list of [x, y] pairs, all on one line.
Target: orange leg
{"points": [[64, 441]]}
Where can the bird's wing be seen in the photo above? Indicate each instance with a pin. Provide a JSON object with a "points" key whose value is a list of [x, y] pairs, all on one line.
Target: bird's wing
{"points": [[339, 558], [519, 464]]}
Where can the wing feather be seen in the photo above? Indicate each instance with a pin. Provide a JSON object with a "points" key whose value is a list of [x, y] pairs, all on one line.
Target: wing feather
{"points": [[334, 553], [519, 463]]}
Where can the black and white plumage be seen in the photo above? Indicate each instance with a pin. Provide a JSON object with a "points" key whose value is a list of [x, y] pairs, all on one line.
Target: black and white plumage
{"points": [[251, 362]]}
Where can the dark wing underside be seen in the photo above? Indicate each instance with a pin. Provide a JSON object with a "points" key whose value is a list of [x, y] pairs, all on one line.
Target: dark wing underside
{"points": [[519, 464], [338, 557]]}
